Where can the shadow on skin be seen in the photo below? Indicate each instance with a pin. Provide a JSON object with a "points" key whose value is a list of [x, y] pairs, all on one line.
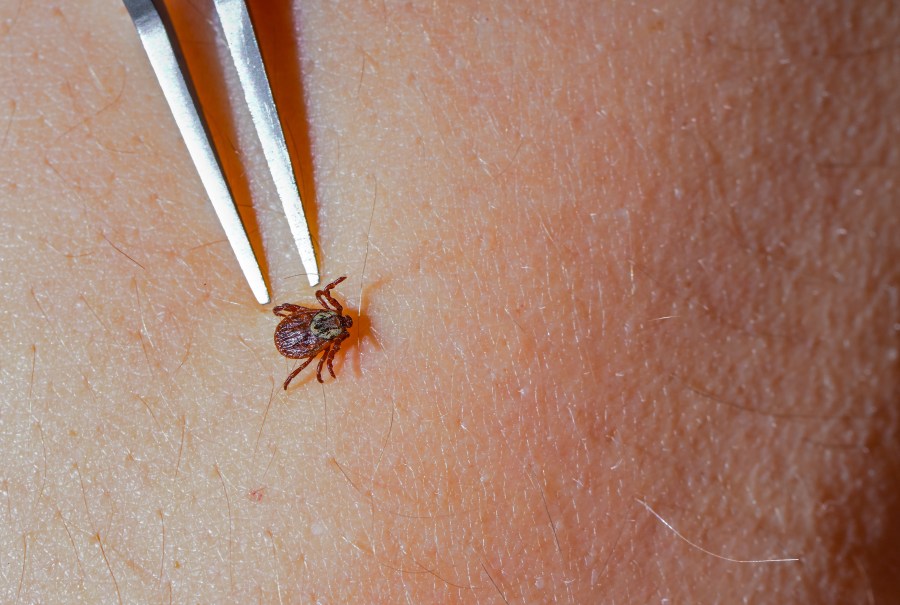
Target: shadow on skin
{"points": [[362, 326]]}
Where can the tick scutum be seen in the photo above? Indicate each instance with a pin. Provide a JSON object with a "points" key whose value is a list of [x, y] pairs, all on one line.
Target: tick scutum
{"points": [[326, 325]]}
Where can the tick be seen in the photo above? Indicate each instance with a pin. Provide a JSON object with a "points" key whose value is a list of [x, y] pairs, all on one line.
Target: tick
{"points": [[305, 332]]}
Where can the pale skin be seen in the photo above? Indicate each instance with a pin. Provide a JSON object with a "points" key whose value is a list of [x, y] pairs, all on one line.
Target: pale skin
{"points": [[621, 259]]}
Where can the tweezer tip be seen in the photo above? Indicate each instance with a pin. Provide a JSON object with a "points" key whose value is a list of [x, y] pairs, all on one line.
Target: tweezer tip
{"points": [[240, 37]]}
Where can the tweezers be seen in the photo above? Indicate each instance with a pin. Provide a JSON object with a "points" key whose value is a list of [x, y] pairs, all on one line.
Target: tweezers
{"points": [[157, 36]]}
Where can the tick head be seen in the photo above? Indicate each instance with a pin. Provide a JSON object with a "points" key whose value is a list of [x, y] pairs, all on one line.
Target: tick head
{"points": [[347, 321]]}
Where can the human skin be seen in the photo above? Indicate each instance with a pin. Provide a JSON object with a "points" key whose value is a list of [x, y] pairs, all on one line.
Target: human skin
{"points": [[605, 260]]}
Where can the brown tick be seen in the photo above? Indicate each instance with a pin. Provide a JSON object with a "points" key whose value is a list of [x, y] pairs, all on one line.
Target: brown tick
{"points": [[304, 332]]}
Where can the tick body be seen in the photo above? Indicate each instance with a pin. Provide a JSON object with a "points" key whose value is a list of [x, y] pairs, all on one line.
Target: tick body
{"points": [[303, 333]]}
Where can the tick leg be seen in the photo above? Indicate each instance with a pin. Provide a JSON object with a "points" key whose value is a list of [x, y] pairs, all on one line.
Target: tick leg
{"points": [[331, 353], [321, 363], [324, 295], [297, 371], [324, 298], [286, 310]]}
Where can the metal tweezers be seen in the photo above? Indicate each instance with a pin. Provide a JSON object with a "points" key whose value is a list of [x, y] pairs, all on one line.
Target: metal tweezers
{"points": [[157, 36]]}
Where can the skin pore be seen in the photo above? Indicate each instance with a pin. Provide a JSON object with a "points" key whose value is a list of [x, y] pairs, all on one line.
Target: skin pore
{"points": [[606, 261]]}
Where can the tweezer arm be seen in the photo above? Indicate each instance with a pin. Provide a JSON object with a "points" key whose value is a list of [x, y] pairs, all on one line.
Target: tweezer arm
{"points": [[241, 40], [163, 52]]}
